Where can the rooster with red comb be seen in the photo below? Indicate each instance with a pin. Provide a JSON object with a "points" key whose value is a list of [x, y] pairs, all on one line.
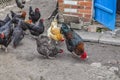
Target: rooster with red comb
{"points": [[74, 42], [34, 15]]}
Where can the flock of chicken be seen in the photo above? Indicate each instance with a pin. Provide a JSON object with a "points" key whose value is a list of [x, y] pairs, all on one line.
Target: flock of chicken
{"points": [[12, 29]]}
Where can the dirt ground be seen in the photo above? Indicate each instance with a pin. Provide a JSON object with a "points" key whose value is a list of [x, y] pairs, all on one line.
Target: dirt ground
{"points": [[25, 63]]}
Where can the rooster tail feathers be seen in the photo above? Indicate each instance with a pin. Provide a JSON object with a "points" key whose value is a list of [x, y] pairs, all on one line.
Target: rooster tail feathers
{"points": [[12, 13], [30, 9], [7, 18]]}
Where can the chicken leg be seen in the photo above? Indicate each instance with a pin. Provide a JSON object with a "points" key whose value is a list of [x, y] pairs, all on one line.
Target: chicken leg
{"points": [[1, 46], [48, 57], [6, 50], [74, 54]]}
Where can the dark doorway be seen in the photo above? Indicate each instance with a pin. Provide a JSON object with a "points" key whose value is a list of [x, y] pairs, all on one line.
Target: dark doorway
{"points": [[118, 14]]}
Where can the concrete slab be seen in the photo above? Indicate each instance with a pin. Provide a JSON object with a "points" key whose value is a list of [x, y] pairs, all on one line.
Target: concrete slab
{"points": [[76, 26], [90, 36], [108, 39]]}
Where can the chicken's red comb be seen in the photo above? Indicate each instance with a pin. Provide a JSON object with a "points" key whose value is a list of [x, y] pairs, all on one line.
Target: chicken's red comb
{"points": [[37, 9], [42, 20], [83, 56], [62, 40]]}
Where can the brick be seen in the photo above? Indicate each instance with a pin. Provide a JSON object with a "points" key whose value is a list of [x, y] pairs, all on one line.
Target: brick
{"points": [[84, 11], [86, 19], [74, 6], [60, 4], [72, 13], [87, 15], [80, 15], [66, 12], [89, 0], [90, 7], [67, 6], [60, 1], [82, 3], [80, 7], [78, 0]]}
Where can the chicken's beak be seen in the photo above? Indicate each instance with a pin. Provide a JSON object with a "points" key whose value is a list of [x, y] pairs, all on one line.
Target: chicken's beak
{"points": [[2, 35], [83, 56]]}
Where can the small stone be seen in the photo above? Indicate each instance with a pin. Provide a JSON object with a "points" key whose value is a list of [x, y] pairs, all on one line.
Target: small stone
{"points": [[100, 77], [96, 64], [112, 62], [113, 69], [42, 78]]}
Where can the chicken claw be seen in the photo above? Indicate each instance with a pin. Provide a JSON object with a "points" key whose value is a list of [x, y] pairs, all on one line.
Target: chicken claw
{"points": [[51, 58], [6, 50]]}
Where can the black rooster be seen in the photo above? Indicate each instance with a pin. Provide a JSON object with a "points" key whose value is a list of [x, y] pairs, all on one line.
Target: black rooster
{"points": [[74, 42], [34, 15], [6, 34], [45, 48], [36, 29], [18, 34]]}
